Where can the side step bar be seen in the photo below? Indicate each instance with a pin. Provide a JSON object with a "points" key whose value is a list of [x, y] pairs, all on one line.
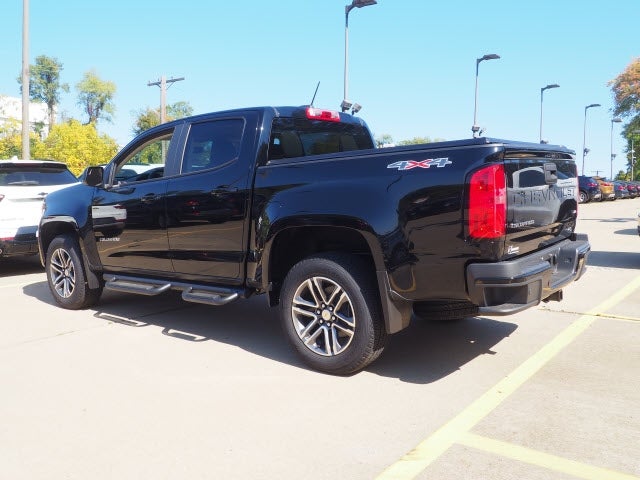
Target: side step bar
{"points": [[207, 297], [190, 293]]}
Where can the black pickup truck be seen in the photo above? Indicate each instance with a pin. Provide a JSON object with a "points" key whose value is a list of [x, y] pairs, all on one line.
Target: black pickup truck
{"points": [[349, 240]]}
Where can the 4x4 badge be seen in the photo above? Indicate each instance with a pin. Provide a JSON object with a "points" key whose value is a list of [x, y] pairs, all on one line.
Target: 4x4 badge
{"points": [[428, 163]]}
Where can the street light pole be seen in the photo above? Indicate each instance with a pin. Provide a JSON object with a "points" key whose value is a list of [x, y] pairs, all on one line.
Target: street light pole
{"points": [[632, 151], [345, 105], [26, 154], [584, 134], [552, 85], [633, 133], [613, 155], [475, 129]]}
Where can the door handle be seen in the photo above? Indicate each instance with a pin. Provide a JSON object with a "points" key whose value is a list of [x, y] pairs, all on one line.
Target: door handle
{"points": [[223, 189], [150, 198]]}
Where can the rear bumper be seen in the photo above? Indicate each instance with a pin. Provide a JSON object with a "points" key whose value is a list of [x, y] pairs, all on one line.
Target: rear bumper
{"points": [[509, 287]]}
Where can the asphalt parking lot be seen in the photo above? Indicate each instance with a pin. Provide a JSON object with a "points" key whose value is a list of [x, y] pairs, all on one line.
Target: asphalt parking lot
{"points": [[141, 388]]}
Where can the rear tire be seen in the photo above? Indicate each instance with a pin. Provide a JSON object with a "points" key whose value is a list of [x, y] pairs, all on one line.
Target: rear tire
{"points": [[66, 276], [331, 313], [583, 197]]}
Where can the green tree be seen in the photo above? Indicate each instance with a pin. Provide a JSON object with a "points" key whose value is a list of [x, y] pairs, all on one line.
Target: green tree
{"points": [[151, 117], [11, 141], [44, 84], [79, 145], [179, 110], [626, 95], [95, 96], [387, 140], [384, 139], [626, 91], [145, 120], [415, 141]]}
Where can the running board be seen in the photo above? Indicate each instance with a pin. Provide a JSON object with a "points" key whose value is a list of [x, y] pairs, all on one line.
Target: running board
{"points": [[208, 298], [190, 293], [147, 287]]}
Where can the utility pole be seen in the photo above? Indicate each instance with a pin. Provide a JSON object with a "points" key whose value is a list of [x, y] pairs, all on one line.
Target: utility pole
{"points": [[162, 83], [26, 154]]}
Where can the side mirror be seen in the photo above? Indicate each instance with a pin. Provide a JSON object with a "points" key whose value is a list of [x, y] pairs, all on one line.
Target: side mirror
{"points": [[94, 176]]}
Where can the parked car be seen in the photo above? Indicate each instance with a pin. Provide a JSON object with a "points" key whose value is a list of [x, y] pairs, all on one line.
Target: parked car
{"points": [[23, 186], [634, 189], [620, 189], [606, 188], [588, 189]]}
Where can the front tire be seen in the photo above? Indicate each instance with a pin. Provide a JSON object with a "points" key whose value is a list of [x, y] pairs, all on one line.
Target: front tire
{"points": [[65, 275], [331, 313]]}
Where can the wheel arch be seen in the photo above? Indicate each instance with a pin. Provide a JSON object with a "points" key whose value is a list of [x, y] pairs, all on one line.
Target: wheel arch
{"points": [[294, 243], [51, 228]]}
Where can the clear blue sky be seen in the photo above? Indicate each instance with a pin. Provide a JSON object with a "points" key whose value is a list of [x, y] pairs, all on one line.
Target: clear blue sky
{"points": [[412, 62]]}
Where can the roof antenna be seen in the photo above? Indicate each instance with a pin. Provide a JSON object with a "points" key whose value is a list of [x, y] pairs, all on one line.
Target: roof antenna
{"points": [[314, 94]]}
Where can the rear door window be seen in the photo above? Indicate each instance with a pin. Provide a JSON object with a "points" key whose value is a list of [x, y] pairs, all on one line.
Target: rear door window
{"points": [[212, 144]]}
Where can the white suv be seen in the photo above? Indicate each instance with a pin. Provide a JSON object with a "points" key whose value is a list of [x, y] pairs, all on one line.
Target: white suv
{"points": [[23, 186]]}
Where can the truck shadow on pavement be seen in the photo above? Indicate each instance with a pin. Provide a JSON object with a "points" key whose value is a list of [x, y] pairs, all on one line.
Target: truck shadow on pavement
{"points": [[427, 351], [423, 353], [609, 220], [10, 267], [629, 260], [627, 231]]}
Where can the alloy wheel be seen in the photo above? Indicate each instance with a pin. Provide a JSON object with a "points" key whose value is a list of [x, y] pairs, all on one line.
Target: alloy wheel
{"points": [[323, 316], [63, 273]]}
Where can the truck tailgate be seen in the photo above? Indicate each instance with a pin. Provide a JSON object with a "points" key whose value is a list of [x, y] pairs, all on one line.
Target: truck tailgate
{"points": [[542, 202]]}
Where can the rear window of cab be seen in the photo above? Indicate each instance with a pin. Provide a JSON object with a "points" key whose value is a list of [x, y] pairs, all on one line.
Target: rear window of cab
{"points": [[300, 137]]}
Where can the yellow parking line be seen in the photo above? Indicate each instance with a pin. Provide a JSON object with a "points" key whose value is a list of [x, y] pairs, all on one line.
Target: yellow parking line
{"points": [[618, 317], [414, 462], [541, 459]]}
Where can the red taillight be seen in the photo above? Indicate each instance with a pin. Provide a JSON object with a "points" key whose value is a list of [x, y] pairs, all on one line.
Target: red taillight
{"points": [[325, 115], [488, 203], [592, 184]]}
